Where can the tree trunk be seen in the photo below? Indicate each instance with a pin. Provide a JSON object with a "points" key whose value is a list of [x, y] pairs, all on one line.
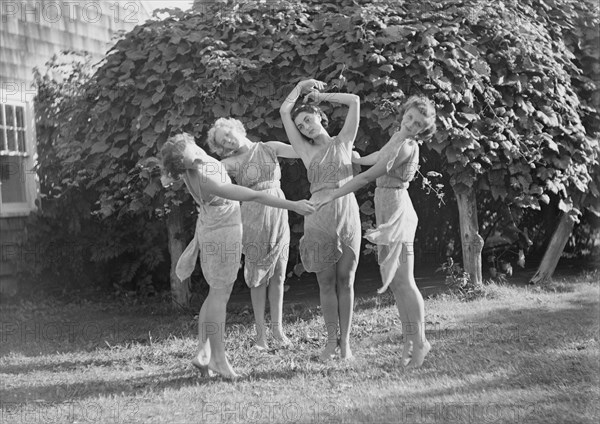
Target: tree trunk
{"points": [[554, 250], [472, 242], [180, 290]]}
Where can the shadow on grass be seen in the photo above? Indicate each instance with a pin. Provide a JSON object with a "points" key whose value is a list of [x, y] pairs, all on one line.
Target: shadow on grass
{"points": [[93, 388], [504, 365], [518, 351]]}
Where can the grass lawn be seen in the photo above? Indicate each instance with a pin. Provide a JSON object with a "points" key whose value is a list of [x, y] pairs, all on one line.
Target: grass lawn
{"points": [[520, 355]]}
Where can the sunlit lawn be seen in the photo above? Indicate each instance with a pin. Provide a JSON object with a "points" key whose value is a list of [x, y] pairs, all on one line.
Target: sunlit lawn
{"points": [[520, 355]]}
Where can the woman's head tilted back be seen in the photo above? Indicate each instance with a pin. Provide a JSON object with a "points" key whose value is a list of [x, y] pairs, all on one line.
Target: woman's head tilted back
{"points": [[418, 114], [229, 127], [308, 113], [172, 154]]}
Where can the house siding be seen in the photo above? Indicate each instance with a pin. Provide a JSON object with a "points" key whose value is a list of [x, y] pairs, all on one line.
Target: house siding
{"points": [[31, 32]]}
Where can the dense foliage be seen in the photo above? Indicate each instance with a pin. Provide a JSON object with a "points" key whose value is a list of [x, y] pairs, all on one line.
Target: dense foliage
{"points": [[508, 78]]}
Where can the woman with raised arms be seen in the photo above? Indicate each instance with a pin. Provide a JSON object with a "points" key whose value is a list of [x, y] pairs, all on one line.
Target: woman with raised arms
{"points": [[330, 245], [394, 166]]}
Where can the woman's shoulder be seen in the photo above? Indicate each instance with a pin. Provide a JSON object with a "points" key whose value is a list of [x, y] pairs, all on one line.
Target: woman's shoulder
{"points": [[267, 146]]}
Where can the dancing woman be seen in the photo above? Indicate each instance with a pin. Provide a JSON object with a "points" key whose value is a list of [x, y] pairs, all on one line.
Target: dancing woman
{"points": [[266, 232], [330, 245], [217, 238], [394, 166]]}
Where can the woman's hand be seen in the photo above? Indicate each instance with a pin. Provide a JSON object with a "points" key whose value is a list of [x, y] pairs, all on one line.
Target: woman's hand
{"points": [[303, 207], [328, 198], [315, 96], [310, 85]]}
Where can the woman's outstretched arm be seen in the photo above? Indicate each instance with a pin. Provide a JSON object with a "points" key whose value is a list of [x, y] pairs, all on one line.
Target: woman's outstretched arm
{"points": [[244, 194], [368, 160], [283, 150], [362, 179]]}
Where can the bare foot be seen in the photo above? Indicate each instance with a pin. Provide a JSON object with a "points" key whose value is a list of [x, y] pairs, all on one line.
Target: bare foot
{"points": [[202, 359], [203, 355], [346, 352], [223, 368], [282, 340], [260, 348], [329, 351], [418, 354], [202, 368], [406, 353], [261, 342]]}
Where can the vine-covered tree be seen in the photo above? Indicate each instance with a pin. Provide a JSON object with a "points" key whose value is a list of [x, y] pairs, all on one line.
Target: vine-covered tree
{"points": [[510, 118]]}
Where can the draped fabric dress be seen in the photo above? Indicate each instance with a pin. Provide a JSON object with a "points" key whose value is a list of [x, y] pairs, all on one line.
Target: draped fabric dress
{"points": [[396, 217], [337, 223], [218, 235], [266, 237]]}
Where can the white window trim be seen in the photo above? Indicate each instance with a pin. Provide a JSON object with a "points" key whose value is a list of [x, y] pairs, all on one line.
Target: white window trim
{"points": [[31, 179]]}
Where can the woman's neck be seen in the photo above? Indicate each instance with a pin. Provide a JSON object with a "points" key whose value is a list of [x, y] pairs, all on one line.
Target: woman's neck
{"points": [[403, 133], [321, 139], [244, 147]]}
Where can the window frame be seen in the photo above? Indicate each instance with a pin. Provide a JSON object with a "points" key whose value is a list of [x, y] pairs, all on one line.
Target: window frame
{"points": [[29, 156]]}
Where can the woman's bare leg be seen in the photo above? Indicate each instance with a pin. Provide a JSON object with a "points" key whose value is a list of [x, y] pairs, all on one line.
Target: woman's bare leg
{"points": [[212, 326], [329, 307], [345, 273], [259, 299], [411, 308], [276, 287]]}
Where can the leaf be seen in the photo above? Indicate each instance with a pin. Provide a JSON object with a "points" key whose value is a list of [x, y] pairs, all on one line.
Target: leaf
{"points": [[136, 205], [498, 192], [399, 32], [482, 68], [152, 188], [160, 127], [299, 269], [565, 206], [367, 208], [386, 68], [99, 147], [117, 153], [157, 97], [221, 111]]}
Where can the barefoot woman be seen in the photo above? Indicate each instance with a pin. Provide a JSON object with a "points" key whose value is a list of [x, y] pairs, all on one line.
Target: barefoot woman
{"points": [[331, 242], [217, 238], [266, 230], [394, 167]]}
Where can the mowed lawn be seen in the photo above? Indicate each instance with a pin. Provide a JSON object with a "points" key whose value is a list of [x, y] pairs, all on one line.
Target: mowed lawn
{"points": [[520, 355]]}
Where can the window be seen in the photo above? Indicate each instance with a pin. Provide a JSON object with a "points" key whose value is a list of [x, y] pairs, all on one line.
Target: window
{"points": [[13, 153], [17, 180]]}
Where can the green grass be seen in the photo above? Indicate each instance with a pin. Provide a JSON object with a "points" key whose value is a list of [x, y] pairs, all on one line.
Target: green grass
{"points": [[520, 355]]}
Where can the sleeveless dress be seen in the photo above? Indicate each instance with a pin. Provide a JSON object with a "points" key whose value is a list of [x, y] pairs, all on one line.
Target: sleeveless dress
{"points": [[218, 232], [396, 217], [266, 235], [337, 223]]}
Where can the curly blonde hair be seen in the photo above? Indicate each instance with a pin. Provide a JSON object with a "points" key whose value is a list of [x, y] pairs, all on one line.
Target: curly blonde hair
{"points": [[232, 123], [426, 108]]}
